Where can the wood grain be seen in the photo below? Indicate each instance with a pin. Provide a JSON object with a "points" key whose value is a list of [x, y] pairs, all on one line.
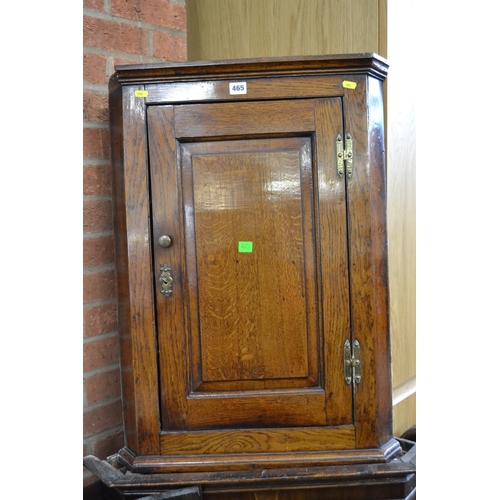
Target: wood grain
{"points": [[404, 414], [401, 193], [258, 321], [257, 88], [300, 407], [375, 481], [167, 220], [378, 187], [135, 293], [404, 390], [233, 295], [262, 440], [218, 172], [221, 29], [121, 273], [361, 254], [368, 261], [285, 230], [260, 29], [332, 231], [255, 118], [224, 29], [252, 305], [300, 463], [368, 63]]}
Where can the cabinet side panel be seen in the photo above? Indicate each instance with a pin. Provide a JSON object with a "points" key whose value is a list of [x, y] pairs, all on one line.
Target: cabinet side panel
{"points": [[121, 272], [368, 261], [378, 210], [137, 328]]}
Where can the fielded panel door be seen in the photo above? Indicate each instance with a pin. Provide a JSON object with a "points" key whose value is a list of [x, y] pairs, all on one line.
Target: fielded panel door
{"points": [[255, 304]]}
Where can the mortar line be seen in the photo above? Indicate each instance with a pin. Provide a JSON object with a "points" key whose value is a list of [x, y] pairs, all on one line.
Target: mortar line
{"points": [[99, 336], [130, 22], [97, 303], [104, 433], [102, 369], [98, 269], [97, 234], [101, 404], [96, 197], [102, 125]]}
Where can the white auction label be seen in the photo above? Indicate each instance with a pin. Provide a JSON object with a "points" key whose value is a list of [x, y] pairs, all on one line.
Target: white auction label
{"points": [[238, 88]]}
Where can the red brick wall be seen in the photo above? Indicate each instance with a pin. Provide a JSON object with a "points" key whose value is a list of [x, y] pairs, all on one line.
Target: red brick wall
{"points": [[114, 32]]}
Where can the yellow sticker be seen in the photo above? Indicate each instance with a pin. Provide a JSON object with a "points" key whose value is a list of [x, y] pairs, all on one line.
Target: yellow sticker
{"points": [[141, 93], [349, 85]]}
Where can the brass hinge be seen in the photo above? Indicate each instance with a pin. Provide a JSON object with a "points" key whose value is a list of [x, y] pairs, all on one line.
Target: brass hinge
{"points": [[352, 362], [344, 155]]}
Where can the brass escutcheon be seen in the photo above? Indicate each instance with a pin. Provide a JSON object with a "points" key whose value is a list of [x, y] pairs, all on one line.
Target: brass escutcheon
{"points": [[166, 280]]}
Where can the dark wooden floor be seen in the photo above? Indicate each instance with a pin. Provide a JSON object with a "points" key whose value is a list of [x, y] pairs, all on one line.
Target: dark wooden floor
{"points": [[92, 491]]}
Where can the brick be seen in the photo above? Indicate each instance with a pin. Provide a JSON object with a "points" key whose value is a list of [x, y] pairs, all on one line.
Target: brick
{"points": [[100, 353], [98, 251], [123, 60], [99, 319], [96, 180], [94, 68], [108, 445], [102, 418], [110, 35], [157, 12], [102, 386], [99, 286], [95, 106], [97, 215], [169, 47], [94, 5], [96, 143]]}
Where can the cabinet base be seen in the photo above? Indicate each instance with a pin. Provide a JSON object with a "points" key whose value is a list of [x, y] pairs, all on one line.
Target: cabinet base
{"points": [[395, 480], [158, 464]]}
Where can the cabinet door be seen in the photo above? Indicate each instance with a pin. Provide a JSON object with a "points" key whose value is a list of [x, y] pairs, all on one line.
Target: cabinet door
{"points": [[251, 329]]}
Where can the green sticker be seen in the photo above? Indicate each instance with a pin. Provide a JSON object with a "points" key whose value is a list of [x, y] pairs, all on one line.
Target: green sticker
{"points": [[245, 246]]}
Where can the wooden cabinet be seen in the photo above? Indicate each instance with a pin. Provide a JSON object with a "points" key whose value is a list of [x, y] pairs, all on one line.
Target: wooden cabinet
{"points": [[252, 265]]}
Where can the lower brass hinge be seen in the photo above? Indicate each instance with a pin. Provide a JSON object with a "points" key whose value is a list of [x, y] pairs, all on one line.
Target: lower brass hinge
{"points": [[344, 155], [352, 362]]}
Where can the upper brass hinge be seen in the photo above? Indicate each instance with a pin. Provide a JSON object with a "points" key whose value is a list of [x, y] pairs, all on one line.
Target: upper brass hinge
{"points": [[344, 155], [352, 362]]}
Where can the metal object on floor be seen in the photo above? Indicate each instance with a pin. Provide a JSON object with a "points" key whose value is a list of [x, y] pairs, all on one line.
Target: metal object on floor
{"points": [[408, 442], [395, 480], [183, 493], [110, 476]]}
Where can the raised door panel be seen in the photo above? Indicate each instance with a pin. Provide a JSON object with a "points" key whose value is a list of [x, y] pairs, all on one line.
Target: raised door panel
{"points": [[252, 294], [251, 335]]}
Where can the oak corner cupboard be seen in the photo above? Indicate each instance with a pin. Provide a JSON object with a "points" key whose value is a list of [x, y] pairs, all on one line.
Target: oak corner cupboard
{"points": [[251, 247]]}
